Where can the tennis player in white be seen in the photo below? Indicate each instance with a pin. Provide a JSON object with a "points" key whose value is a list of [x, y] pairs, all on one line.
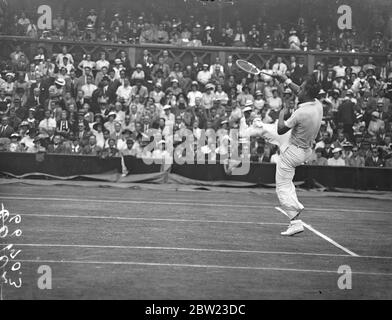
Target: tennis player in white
{"points": [[294, 137]]}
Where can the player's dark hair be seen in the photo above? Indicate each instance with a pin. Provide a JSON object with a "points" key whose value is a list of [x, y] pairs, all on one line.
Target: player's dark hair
{"points": [[312, 87]]}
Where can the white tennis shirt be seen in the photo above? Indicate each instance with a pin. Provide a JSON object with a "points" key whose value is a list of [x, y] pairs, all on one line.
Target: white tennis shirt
{"points": [[305, 123]]}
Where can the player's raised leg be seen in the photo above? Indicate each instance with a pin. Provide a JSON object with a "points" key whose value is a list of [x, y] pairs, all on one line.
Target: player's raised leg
{"points": [[268, 131]]}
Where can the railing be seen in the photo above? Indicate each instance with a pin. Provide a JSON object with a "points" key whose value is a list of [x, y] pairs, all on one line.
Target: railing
{"points": [[184, 54], [70, 166]]}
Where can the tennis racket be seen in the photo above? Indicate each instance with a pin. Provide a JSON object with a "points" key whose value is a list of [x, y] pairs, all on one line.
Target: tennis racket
{"points": [[251, 68]]}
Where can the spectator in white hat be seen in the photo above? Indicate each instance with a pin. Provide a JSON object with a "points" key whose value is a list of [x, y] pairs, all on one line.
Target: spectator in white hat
{"points": [[246, 117], [168, 116], [204, 75], [294, 42], [138, 74], [15, 145], [9, 85], [336, 159], [208, 38], [109, 125]]}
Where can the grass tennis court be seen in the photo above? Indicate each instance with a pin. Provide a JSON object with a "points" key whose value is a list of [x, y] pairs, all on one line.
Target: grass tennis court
{"points": [[143, 243]]}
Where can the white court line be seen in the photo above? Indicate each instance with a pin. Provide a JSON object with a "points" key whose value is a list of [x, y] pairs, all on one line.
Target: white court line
{"points": [[322, 235], [179, 249], [203, 266], [195, 250], [148, 219], [195, 203]]}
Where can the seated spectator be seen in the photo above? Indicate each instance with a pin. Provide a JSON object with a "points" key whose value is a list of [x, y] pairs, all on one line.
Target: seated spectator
{"points": [[87, 62], [374, 160], [58, 23], [279, 67], [161, 35], [355, 160], [63, 126], [204, 75], [375, 124], [102, 62], [174, 89], [320, 160], [57, 146], [92, 148], [160, 66], [23, 22], [124, 91], [15, 145], [239, 38], [37, 146], [147, 34], [388, 160], [47, 123], [5, 129], [208, 97], [294, 41], [60, 57], [83, 133], [111, 150], [275, 102], [157, 94], [138, 90], [340, 69], [88, 88], [130, 150], [336, 159], [138, 74]]}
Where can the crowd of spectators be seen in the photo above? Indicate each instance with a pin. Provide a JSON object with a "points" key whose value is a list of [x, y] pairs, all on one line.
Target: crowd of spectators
{"points": [[126, 27], [105, 108]]}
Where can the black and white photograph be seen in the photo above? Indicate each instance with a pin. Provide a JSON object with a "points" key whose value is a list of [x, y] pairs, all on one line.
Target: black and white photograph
{"points": [[198, 150]]}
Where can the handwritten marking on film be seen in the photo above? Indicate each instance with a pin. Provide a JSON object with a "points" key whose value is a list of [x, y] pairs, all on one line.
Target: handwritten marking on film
{"points": [[9, 266]]}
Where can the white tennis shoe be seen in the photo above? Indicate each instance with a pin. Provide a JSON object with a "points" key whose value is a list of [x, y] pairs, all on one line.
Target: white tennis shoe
{"points": [[295, 226]]}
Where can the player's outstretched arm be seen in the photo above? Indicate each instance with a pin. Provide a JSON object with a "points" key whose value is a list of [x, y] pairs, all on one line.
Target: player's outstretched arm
{"points": [[284, 79], [282, 128]]}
